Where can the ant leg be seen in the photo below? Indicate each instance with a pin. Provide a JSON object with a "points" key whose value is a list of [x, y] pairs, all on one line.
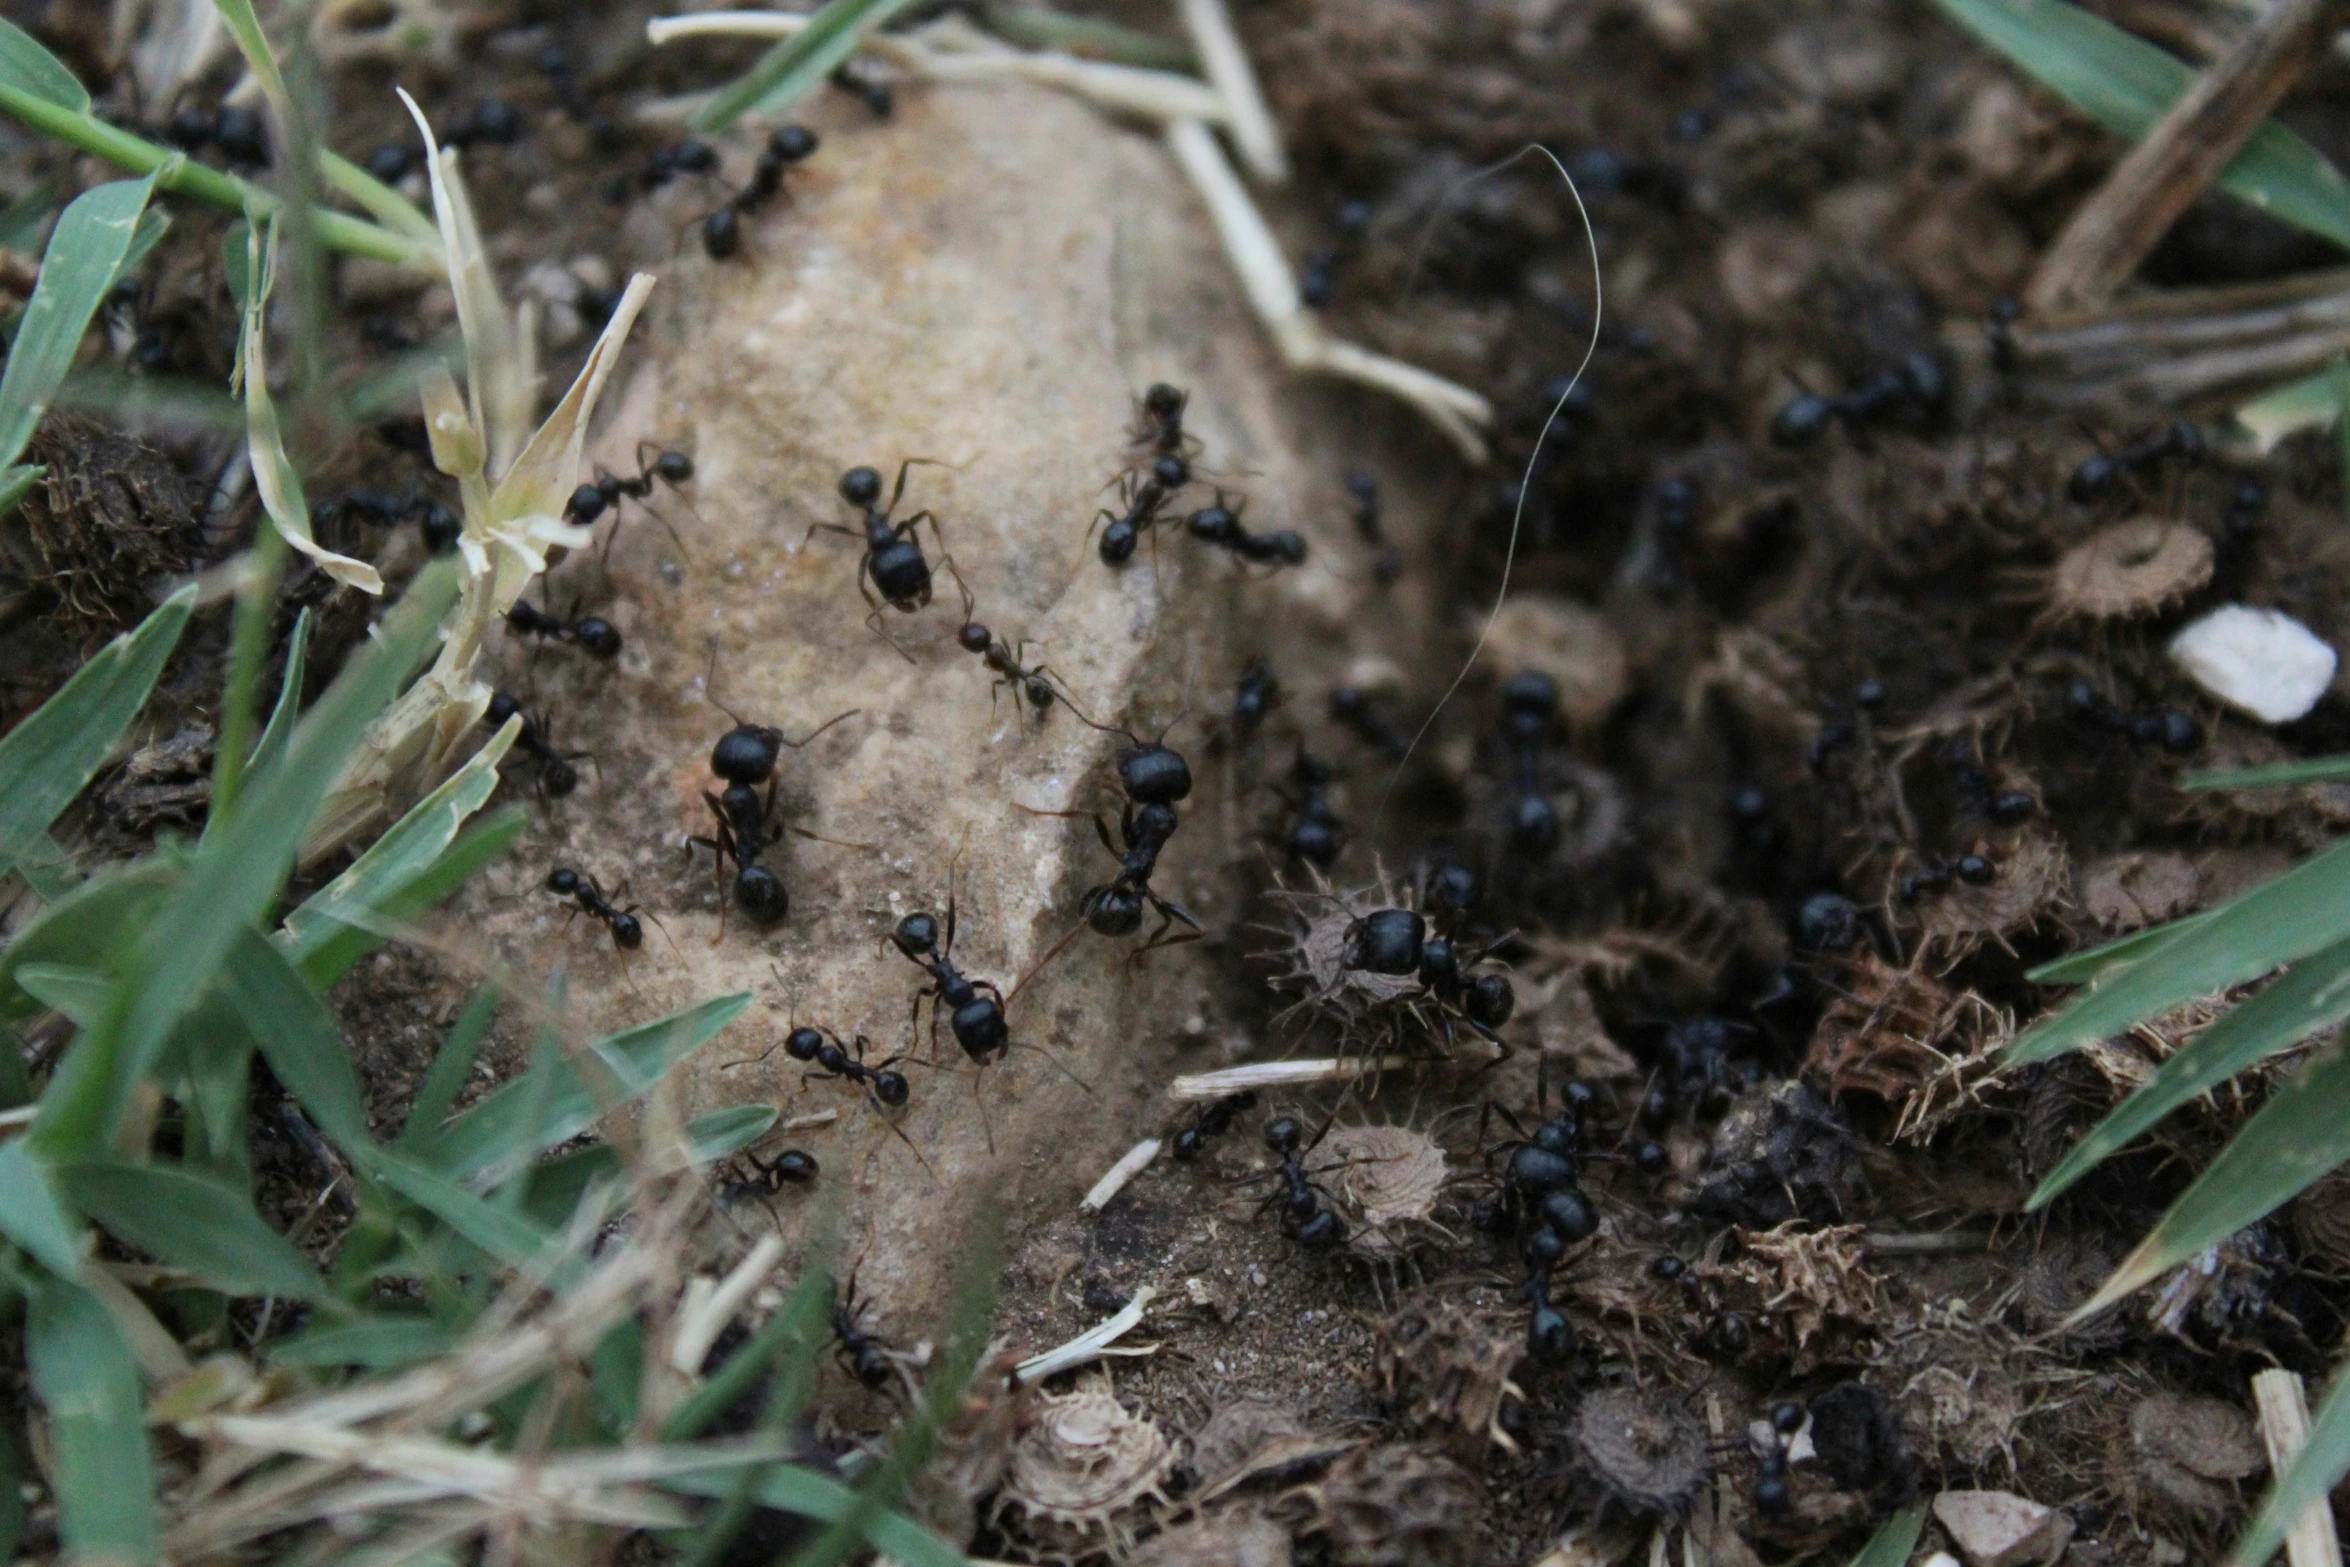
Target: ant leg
{"points": [[838, 843], [1039, 966], [1059, 1065], [815, 528], [819, 729], [873, 623]]}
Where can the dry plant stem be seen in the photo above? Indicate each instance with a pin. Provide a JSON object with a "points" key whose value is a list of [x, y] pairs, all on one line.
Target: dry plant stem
{"points": [[1283, 1074], [1090, 1345], [2179, 346], [1459, 413], [1137, 1160], [2116, 228], [698, 1327], [1226, 64], [2284, 1426]]}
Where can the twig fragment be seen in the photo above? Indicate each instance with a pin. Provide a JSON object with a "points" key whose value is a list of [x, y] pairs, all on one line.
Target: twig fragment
{"points": [[1136, 1160], [1225, 63], [2284, 1426], [1092, 1344], [1282, 1074]]}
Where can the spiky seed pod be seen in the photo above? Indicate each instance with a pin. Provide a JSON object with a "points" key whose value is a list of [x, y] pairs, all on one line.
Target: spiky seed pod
{"points": [[2131, 569], [1387, 1180], [1446, 1370], [1648, 1455], [1398, 1507], [1083, 1473]]}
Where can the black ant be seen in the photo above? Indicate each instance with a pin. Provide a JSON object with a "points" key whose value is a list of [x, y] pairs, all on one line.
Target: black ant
{"points": [[628, 932], [722, 231], [1213, 1123], [1303, 1218], [1363, 490], [893, 562], [1916, 387], [1143, 503], [438, 523], [1974, 869], [824, 1051], [591, 634], [2173, 730], [871, 90], [557, 777], [2245, 510], [1318, 835], [866, 1360], [2181, 438], [1771, 1496], [975, 1007], [686, 156], [745, 757], [792, 1167], [1352, 706], [1115, 908], [1004, 658], [237, 132], [1220, 525], [1530, 704], [590, 501], [1160, 422], [1539, 1188], [1317, 280], [1398, 943], [1257, 694]]}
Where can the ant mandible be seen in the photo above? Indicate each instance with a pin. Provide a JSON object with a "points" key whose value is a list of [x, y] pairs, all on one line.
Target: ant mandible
{"points": [[893, 562]]}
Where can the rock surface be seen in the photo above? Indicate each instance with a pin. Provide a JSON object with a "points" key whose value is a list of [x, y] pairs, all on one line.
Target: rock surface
{"points": [[927, 291], [2001, 1529]]}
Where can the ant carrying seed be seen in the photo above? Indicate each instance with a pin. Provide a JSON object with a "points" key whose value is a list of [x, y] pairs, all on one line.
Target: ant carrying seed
{"points": [[1318, 835], [1363, 490], [1397, 943], [792, 1167], [557, 777], [628, 932], [2181, 438], [591, 634], [1530, 704], [1220, 526], [893, 562], [1352, 707], [786, 145], [1213, 1123], [1915, 389]]}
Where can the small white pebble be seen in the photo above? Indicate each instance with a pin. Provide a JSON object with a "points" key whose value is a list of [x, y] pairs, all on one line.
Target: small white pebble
{"points": [[2260, 660]]}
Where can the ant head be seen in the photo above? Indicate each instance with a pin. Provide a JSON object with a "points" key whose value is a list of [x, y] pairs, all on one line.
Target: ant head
{"points": [[759, 893], [1548, 1337], [917, 936], [1317, 840], [793, 1164], [559, 778], [861, 486], [793, 143], [1288, 546], [673, 468], [628, 932], [1283, 1134], [2092, 477], [890, 1088], [1492, 998], [563, 881], [1171, 471], [1118, 541], [501, 708], [1163, 402], [1530, 695], [598, 636], [974, 637], [1535, 825], [1387, 941], [1451, 888], [587, 503], [746, 754], [802, 1043], [1213, 524], [1152, 774]]}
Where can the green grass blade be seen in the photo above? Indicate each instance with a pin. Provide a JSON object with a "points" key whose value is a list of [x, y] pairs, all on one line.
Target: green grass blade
{"points": [[2081, 967], [28, 67], [16, 483], [2127, 84], [2313, 1473], [2319, 769], [245, 28], [1895, 1539], [78, 925], [31, 1215], [2277, 922], [553, 1187], [376, 1343], [214, 1051], [201, 1225], [794, 1490], [2313, 994], [78, 270], [384, 204], [82, 994], [47, 760], [486, 840], [452, 1068], [278, 733], [2297, 1137], [799, 1323], [501, 1129], [105, 1476], [298, 1036], [800, 63], [2306, 404], [402, 854], [503, 1234]]}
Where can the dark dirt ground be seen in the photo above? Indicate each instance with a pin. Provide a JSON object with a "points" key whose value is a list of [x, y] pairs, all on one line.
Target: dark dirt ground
{"points": [[1839, 658]]}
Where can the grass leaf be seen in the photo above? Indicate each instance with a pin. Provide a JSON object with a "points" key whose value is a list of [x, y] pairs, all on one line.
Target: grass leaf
{"points": [[2313, 994], [298, 1036], [1895, 1539], [82, 994], [502, 1129], [2319, 769], [28, 67], [800, 63], [2291, 1144], [103, 1472], [403, 854], [78, 270], [452, 1066], [2306, 404], [2127, 84], [48, 759], [377, 1343], [2283, 919], [79, 924], [31, 1215], [555, 1186], [201, 1225], [793, 1490], [2315, 1470], [279, 731], [346, 944], [2079, 968], [501, 1233]]}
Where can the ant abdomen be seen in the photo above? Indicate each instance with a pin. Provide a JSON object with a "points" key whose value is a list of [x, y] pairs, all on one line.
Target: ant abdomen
{"points": [[760, 893]]}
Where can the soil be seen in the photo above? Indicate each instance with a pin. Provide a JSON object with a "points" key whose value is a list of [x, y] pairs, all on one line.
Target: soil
{"points": [[1802, 684]]}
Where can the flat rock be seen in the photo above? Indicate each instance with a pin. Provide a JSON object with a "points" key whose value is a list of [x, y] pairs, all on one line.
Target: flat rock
{"points": [[2002, 1529]]}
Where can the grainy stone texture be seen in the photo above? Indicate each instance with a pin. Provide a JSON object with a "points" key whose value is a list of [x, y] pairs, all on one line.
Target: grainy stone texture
{"points": [[989, 279]]}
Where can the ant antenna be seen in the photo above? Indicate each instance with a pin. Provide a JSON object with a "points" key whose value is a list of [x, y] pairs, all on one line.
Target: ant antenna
{"points": [[1518, 515]]}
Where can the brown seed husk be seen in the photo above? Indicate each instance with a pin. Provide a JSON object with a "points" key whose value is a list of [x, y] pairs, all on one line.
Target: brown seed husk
{"points": [[2131, 568], [1084, 1471], [1398, 1507], [1446, 1369], [2126, 892], [109, 520], [1388, 1179], [1649, 1456]]}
